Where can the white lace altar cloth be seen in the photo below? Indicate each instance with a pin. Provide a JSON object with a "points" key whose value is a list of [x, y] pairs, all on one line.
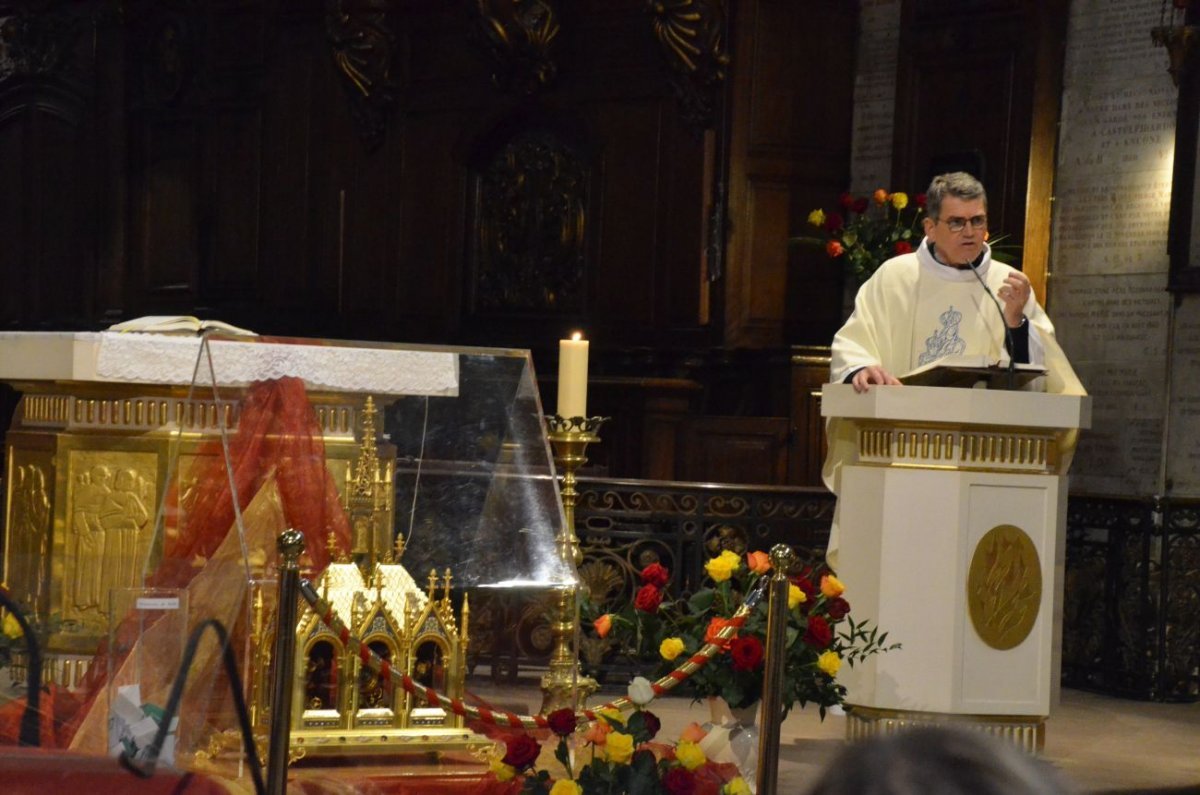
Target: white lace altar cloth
{"points": [[167, 359]]}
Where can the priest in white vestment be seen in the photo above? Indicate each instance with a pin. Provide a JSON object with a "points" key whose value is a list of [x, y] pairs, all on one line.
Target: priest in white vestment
{"points": [[929, 304]]}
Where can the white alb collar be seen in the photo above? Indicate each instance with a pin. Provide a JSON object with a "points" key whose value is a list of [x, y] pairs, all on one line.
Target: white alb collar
{"points": [[950, 273]]}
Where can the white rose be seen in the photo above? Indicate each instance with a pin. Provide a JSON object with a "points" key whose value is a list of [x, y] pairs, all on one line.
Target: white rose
{"points": [[640, 691]]}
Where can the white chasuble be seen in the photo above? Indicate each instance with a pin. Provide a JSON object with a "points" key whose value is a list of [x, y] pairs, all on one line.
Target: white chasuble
{"points": [[915, 310]]}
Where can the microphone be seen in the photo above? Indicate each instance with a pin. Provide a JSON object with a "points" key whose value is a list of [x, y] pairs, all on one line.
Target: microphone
{"points": [[1008, 335]]}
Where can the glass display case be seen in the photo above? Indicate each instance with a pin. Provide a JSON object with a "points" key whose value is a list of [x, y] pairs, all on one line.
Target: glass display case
{"points": [[415, 476]]}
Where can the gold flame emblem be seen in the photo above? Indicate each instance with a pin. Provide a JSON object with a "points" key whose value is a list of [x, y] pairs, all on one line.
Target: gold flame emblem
{"points": [[1004, 587]]}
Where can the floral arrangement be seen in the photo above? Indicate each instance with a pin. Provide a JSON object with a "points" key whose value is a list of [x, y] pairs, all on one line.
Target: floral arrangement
{"points": [[821, 635], [11, 637], [864, 232], [619, 755]]}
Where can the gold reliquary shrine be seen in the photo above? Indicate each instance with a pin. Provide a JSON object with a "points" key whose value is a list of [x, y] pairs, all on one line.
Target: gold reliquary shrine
{"points": [[342, 707]]}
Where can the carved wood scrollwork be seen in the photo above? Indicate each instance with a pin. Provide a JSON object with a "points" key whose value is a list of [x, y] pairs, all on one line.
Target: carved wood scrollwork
{"points": [[519, 34], [530, 228], [360, 33], [692, 36], [38, 43]]}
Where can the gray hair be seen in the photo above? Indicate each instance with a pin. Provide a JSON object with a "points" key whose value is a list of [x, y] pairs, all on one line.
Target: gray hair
{"points": [[937, 760], [958, 184]]}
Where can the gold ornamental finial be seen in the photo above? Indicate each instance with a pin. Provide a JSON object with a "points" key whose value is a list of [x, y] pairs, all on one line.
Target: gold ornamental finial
{"points": [[782, 558], [432, 582], [331, 546], [398, 549], [466, 618], [446, 587]]}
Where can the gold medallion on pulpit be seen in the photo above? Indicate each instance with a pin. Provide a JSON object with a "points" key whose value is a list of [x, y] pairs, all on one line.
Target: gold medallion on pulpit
{"points": [[1004, 587]]}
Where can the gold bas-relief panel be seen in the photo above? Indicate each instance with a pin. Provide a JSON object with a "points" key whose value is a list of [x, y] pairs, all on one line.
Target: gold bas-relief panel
{"points": [[107, 532], [29, 522], [1004, 587]]}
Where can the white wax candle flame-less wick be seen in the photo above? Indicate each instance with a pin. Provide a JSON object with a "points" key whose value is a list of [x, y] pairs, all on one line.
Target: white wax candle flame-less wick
{"points": [[572, 376]]}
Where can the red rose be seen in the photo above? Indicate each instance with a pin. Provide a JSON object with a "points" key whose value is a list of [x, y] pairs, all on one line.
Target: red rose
{"points": [[562, 721], [648, 598], [747, 653], [834, 249], [834, 222], [860, 204], [837, 607], [655, 574], [818, 635], [846, 200], [679, 781], [920, 199], [521, 751], [903, 247], [652, 723]]}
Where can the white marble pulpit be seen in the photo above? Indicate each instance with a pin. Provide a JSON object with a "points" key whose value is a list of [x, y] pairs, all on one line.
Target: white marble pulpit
{"points": [[951, 513]]}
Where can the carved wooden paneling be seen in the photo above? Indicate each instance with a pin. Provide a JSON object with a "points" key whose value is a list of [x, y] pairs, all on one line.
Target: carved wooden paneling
{"points": [[976, 116], [807, 445], [167, 215], [233, 247], [48, 257], [789, 152], [735, 449]]}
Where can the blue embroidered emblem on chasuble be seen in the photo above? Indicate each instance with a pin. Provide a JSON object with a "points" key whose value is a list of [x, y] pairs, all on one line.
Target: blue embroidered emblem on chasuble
{"points": [[945, 341]]}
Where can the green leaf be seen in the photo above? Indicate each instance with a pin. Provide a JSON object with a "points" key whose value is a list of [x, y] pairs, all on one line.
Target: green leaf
{"points": [[563, 755], [643, 775], [702, 600]]}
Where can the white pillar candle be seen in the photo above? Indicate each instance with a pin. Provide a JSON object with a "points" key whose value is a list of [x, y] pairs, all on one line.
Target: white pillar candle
{"points": [[572, 376]]}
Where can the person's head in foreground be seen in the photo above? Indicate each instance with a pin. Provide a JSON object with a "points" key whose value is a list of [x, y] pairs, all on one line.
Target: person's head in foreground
{"points": [[937, 761]]}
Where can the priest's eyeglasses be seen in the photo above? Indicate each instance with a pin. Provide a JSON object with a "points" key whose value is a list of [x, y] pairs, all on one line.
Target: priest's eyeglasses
{"points": [[957, 224]]}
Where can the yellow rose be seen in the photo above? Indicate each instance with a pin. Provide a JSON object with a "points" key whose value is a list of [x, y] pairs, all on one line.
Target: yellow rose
{"points": [[689, 755], [613, 715], [619, 748], [831, 586], [829, 662], [565, 786], [816, 218], [501, 771], [737, 786], [899, 200], [795, 597], [670, 648], [12, 629], [722, 567]]}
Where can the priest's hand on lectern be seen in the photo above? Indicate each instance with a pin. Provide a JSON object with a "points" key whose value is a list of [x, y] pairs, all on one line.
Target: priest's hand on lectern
{"points": [[872, 374]]}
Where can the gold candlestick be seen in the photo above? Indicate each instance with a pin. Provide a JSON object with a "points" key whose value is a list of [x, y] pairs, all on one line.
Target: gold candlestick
{"points": [[562, 686]]}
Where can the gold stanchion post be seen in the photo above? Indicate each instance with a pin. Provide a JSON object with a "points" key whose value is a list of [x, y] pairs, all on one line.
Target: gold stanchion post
{"points": [[562, 686], [782, 560]]}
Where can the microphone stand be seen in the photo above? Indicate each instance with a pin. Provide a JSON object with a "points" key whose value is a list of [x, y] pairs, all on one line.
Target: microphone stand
{"points": [[1009, 343]]}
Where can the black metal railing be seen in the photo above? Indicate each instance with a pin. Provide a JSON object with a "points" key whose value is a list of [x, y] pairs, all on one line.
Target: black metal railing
{"points": [[1131, 613], [625, 525], [1131, 623]]}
